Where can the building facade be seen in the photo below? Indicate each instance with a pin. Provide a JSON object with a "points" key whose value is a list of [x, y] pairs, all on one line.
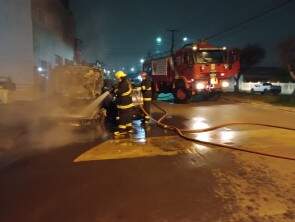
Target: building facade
{"points": [[16, 41], [53, 33], [35, 36]]}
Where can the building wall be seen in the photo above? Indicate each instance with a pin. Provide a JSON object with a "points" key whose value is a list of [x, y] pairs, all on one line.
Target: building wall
{"points": [[53, 33], [16, 41]]}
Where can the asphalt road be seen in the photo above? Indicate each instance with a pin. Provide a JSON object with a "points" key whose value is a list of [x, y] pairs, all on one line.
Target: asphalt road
{"points": [[57, 175]]}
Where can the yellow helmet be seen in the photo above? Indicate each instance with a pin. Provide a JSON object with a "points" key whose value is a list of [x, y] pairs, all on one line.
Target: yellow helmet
{"points": [[120, 74]]}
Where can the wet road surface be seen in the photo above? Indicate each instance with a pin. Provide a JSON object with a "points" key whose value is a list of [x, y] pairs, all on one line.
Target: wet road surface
{"points": [[156, 176]]}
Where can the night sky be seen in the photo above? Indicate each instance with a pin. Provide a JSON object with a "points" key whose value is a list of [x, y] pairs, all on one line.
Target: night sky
{"points": [[122, 32]]}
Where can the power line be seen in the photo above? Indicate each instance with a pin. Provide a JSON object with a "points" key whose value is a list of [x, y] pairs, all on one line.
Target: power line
{"points": [[235, 26], [249, 20], [238, 25]]}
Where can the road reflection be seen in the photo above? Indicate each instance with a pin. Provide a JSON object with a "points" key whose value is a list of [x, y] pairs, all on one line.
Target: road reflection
{"points": [[140, 133], [199, 123]]}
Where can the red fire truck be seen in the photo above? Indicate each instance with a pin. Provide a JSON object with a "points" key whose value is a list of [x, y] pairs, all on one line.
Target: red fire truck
{"points": [[198, 68]]}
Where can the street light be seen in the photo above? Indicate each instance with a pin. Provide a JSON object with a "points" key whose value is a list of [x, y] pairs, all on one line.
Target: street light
{"points": [[141, 61], [159, 40], [132, 69], [185, 39]]}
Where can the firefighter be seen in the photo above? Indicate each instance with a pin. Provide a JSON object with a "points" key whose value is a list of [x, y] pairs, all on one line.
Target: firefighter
{"points": [[124, 104], [146, 89]]}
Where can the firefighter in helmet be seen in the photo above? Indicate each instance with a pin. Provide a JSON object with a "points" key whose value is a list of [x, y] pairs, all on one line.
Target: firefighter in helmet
{"points": [[146, 89], [124, 104]]}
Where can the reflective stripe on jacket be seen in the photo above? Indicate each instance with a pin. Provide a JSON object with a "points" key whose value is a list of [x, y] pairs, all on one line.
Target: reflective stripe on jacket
{"points": [[146, 88], [124, 94]]}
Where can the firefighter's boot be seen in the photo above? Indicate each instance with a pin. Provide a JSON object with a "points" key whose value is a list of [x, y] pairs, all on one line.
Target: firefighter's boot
{"points": [[119, 134]]}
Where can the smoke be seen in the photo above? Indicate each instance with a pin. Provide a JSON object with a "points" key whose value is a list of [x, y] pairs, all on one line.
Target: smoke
{"points": [[46, 125], [63, 126]]}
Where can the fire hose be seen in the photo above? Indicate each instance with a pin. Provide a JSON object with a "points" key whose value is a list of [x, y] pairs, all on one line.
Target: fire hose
{"points": [[183, 133]]}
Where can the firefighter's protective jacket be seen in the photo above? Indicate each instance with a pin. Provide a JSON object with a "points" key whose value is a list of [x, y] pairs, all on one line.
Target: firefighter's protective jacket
{"points": [[146, 89], [124, 94]]}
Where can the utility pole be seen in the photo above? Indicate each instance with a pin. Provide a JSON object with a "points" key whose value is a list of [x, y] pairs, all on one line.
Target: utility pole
{"points": [[173, 32]]}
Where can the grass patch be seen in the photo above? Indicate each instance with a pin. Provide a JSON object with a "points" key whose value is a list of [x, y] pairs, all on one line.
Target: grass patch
{"points": [[280, 100], [285, 100]]}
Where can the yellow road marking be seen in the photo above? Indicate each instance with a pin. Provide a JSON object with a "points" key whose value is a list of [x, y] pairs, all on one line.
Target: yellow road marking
{"points": [[271, 141]]}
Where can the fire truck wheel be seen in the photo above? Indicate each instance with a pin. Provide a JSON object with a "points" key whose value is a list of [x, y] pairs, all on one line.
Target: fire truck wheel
{"points": [[181, 95]]}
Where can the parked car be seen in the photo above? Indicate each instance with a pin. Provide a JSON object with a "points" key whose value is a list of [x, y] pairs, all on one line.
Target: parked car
{"points": [[6, 83], [266, 87]]}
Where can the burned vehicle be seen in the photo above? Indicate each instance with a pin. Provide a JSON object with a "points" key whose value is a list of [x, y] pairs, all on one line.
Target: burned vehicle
{"points": [[77, 89]]}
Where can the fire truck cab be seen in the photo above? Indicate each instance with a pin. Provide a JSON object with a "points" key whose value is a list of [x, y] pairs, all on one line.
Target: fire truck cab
{"points": [[198, 68]]}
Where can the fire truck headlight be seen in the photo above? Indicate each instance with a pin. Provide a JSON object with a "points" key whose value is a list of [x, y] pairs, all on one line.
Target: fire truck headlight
{"points": [[200, 86], [225, 84]]}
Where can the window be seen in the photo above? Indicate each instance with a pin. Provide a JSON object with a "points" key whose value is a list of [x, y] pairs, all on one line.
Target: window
{"points": [[58, 60], [68, 62], [44, 64], [210, 56], [40, 16]]}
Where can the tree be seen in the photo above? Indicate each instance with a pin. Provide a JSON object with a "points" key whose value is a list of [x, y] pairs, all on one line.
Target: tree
{"points": [[287, 55], [250, 56]]}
